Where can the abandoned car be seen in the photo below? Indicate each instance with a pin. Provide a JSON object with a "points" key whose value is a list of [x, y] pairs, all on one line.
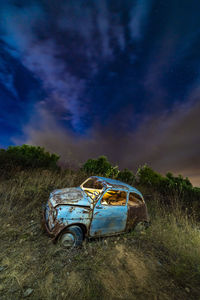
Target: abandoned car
{"points": [[99, 207]]}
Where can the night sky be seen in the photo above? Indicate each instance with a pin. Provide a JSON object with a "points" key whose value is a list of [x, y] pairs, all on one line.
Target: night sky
{"points": [[119, 78]]}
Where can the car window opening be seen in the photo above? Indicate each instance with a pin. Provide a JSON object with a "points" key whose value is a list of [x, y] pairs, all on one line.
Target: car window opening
{"points": [[134, 200], [112, 197], [92, 187]]}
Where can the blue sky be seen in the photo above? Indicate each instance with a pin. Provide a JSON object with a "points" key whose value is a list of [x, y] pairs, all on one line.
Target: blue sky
{"points": [[119, 78]]}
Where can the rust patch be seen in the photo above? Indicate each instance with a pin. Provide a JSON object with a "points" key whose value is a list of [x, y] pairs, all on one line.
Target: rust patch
{"points": [[71, 209], [136, 214], [57, 229]]}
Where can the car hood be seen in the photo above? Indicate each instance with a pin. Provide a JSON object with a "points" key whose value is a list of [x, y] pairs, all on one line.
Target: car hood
{"points": [[70, 196]]}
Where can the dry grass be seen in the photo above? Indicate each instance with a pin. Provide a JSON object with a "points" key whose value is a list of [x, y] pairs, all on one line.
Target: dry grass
{"points": [[161, 263]]}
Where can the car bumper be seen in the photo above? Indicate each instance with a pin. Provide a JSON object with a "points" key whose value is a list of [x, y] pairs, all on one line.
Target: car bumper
{"points": [[56, 229], [45, 225]]}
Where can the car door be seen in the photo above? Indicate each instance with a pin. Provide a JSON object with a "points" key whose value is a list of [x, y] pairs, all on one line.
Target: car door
{"points": [[110, 213]]}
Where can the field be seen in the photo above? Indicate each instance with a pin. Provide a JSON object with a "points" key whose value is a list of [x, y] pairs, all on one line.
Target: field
{"points": [[162, 262]]}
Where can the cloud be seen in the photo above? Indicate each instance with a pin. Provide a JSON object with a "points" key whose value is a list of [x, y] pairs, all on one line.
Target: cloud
{"points": [[63, 48], [171, 142], [139, 18], [42, 58], [7, 77], [103, 26], [168, 142], [72, 51]]}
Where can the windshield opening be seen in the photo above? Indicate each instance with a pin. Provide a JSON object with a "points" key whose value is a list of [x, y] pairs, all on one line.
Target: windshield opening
{"points": [[92, 187]]}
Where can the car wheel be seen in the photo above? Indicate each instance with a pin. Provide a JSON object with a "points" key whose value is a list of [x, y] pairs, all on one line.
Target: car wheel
{"points": [[71, 237], [141, 226]]}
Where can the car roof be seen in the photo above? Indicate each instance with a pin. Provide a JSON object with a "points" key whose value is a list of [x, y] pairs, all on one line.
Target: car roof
{"points": [[116, 184]]}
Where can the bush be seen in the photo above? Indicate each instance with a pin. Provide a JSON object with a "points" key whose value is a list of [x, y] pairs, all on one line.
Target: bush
{"points": [[26, 157], [148, 177], [126, 176], [100, 167], [170, 187]]}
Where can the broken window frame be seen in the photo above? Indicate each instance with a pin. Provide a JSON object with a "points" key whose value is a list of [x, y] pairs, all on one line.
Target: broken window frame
{"points": [[91, 191], [138, 202]]}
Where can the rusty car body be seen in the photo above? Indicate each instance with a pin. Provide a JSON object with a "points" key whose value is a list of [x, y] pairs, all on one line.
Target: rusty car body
{"points": [[99, 207]]}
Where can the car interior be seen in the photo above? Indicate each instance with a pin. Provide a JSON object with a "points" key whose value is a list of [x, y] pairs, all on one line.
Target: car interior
{"points": [[113, 197]]}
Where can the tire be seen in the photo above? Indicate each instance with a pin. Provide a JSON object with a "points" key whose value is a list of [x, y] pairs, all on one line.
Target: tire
{"points": [[141, 226], [71, 237]]}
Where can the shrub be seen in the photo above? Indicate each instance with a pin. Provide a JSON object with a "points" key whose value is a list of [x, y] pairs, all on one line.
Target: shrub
{"points": [[170, 187], [126, 176], [148, 177], [26, 157], [101, 167]]}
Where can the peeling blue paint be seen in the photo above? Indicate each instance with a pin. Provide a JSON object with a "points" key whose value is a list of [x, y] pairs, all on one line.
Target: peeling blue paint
{"points": [[108, 220], [68, 214], [71, 196]]}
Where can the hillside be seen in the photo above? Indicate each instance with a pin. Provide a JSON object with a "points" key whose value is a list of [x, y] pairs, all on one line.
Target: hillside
{"points": [[161, 263]]}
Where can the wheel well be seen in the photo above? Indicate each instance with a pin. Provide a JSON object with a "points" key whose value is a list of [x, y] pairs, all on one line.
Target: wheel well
{"points": [[82, 226]]}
